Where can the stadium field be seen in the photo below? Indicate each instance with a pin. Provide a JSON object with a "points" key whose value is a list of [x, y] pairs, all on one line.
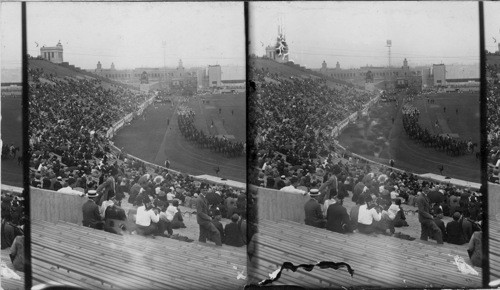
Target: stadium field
{"points": [[12, 174], [150, 139], [375, 136]]}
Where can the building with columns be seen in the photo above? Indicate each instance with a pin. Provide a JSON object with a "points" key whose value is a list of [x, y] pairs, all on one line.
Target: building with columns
{"points": [[382, 77], [53, 53]]}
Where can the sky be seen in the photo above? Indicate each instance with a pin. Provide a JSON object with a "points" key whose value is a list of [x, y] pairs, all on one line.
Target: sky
{"points": [[491, 25], [10, 35], [132, 35], [355, 34]]}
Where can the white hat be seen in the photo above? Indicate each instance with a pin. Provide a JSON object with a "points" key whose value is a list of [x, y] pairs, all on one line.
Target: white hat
{"points": [[314, 192], [92, 193]]}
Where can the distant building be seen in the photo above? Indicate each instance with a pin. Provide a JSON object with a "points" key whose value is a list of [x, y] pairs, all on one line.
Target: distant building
{"points": [[53, 54], [214, 76], [381, 77], [169, 79], [439, 74]]}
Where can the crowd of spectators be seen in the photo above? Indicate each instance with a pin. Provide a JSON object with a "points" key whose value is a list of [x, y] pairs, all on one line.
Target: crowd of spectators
{"points": [[69, 153], [295, 116], [12, 231], [493, 122]]}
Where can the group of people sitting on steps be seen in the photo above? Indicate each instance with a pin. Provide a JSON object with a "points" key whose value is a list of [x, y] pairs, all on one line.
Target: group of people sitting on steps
{"points": [[158, 213], [13, 221]]}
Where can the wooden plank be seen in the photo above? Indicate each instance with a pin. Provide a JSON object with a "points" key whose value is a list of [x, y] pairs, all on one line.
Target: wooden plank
{"points": [[143, 264], [311, 243], [193, 261], [47, 273]]}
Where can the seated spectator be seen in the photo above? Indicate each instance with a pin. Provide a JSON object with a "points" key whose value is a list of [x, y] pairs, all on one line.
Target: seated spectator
{"points": [[330, 199], [164, 223], [6, 205], [232, 233], [475, 249], [337, 219], [66, 188], [292, 188], [400, 219], [241, 204], [217, 217], [58, 183], [9, 232], [177, 219], [112, 214], [91, 216], [147, 219], [313, 212], [454, 230], [230, 206], [354, 214], [17, 253], [438, 220], [368, 216]]}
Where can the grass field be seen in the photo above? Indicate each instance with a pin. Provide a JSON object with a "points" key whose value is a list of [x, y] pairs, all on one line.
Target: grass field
{"points": [[152, 140], [375, 137], [12, 174]]}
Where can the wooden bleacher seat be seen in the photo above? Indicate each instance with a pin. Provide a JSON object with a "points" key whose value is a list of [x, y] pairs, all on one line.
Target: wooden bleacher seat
{"points": [[380, 261], [494, 251], [96, 259]]}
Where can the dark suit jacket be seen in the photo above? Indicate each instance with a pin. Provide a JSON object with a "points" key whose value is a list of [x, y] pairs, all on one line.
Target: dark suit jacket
{"points": [[454, 233], [313, 212], [233, 236], [424, 208], [202, 216], [90, 213], [115, 212], [336, 216]]}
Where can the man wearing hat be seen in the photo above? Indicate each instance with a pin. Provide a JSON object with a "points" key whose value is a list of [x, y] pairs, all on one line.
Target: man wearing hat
{"points": [[90, 210], [207, 228], [312, 208], [427, 224]]}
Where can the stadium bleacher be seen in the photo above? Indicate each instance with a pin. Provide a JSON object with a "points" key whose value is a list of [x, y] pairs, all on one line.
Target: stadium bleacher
{"points": [[377, 262], [93, 259]]}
